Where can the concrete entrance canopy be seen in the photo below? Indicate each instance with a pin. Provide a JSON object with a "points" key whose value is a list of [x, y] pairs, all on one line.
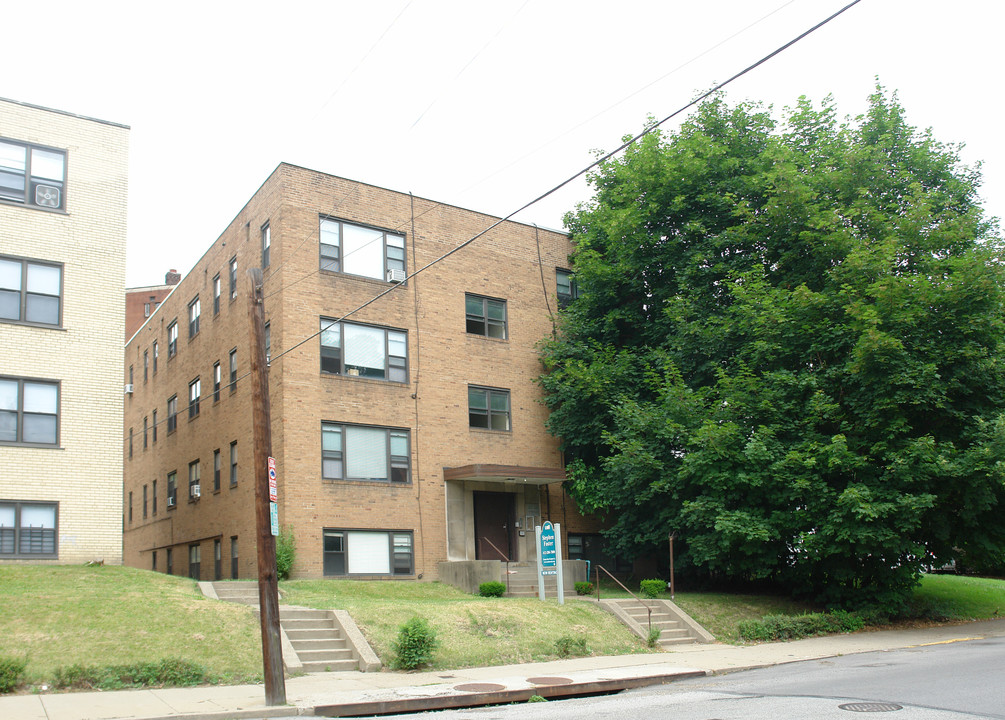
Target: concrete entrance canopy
{"points": [[506, 474], [523, 486]]}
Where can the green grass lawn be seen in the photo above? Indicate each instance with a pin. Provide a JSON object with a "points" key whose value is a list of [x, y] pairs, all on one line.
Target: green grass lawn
{"points": [[473, 631], [62, 615], [65, 615]]}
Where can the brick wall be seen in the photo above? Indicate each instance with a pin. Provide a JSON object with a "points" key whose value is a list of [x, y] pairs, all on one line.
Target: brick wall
{"points": [[84, 474]]}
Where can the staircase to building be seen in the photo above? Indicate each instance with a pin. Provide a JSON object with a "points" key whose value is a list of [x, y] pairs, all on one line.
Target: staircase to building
{"points": [[676, 626], [522, 581], [313, 640]]}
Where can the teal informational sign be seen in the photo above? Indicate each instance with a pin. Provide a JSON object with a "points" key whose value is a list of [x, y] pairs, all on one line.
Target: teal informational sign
{"points": [[274, 517], [548, 559]]}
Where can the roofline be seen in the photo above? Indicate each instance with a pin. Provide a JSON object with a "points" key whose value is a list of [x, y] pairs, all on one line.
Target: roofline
{"points": [[64, 112]]}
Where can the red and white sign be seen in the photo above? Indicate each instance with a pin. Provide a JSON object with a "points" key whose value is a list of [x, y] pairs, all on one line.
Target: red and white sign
{"points": [[272, 480]]}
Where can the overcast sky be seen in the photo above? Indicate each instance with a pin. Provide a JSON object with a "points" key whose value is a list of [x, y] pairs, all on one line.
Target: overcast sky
{"points": [[484, 105]]}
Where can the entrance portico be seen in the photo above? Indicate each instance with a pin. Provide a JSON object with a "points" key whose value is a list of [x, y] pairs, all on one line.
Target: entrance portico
{"points": [[491, 510]]}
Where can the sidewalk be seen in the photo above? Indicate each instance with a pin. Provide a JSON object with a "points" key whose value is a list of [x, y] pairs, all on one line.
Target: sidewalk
{"points": [[346, 694]]}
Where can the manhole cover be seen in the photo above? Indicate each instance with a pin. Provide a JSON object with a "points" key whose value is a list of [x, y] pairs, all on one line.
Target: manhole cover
{"points": [[549, 681], [870, 707], [479, 687]]}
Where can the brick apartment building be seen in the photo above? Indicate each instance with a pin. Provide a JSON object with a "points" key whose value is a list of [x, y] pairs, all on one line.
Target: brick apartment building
{"points": [[408, 433], [63, 186], [142, 301]]}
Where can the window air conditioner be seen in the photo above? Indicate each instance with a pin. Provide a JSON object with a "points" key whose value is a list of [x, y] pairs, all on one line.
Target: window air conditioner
{"points": [[47, 196], [395, 276], [129, 388], [196, 491], [170, 502]]}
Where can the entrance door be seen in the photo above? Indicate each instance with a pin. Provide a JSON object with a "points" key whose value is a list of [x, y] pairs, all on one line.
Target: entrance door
{"points": [[494, 513]]}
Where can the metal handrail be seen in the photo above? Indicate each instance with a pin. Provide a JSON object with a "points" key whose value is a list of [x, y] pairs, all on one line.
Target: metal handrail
{"points": [[640, 600], [503, 555]]}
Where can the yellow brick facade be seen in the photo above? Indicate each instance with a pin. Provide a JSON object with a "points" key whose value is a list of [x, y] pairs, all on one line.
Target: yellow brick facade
{"points": [[449, 462], [83, 354]]}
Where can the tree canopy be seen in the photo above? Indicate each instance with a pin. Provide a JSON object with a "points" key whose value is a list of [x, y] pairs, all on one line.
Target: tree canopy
{"points": [[787, 348]]}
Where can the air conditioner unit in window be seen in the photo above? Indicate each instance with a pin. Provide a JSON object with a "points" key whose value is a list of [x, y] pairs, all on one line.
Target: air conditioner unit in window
{"points": [[129, 388], [196, 491], [170, 502], [47, 196], [395, 276]]}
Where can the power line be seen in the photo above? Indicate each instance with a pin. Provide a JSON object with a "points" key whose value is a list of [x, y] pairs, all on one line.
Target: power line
{"points": [[599, 161]]}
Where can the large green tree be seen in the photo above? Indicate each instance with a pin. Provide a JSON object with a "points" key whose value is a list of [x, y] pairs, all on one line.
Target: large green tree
{"points": [[787, 348]]}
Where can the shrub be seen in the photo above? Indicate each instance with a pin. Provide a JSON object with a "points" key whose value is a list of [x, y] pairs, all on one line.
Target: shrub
{"points": [[568, 646], [170, 672], [792, 627], [584, 588], [286, 553], [11, 671], [415, 645], [652, 588], [492, 588], [536, 698], [654, 637]]}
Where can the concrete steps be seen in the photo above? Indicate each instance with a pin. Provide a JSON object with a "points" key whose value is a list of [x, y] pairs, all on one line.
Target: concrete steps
{"points": [[523, 582], [318, 643], [676, 627], [313, 640]]}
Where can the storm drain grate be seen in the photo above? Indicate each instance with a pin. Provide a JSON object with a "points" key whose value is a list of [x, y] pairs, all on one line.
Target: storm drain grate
{"points": [[870, 707]]}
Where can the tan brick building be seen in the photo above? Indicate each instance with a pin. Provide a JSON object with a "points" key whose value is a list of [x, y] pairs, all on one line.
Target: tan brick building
{"points": [[406, 434], [63, 185]]}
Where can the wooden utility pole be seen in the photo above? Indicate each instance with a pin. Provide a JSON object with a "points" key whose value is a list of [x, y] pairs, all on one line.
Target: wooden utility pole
{"points": [[268, 585]]}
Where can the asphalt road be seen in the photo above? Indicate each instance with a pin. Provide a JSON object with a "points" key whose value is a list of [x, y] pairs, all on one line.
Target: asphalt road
{"points": [[949, 681]]}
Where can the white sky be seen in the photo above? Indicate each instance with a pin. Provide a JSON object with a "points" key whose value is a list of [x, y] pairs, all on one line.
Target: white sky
{"points": [[479, 104]]}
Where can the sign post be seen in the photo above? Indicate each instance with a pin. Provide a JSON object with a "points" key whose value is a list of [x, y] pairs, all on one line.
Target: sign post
{"points": [[549, 558]]}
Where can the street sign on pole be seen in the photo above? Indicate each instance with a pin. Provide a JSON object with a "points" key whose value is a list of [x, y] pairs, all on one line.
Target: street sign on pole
{"points": [[274, 517], [273, 497]]}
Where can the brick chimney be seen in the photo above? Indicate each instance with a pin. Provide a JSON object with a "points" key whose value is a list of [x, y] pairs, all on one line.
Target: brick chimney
{"points": [[172, 277]]}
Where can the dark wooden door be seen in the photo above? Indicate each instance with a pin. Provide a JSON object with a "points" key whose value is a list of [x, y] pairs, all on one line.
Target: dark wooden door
{"points": [[494, 525]]}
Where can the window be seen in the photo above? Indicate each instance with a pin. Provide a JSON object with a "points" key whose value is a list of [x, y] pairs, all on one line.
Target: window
{"points": [[172, 339], [130, 443], [217, 559], [216, 382], [488, 408], [216, 470], [170, 561], [194, 311], [567, 290], [194, 487], [233, 557], [146, 365], [28, 529], [363, 351], [233, 370], [146, 427], [153, 560], [367, 552], [359, 250], [268, 343], [233, 277], [30, 291], [130, 374], [154, 426], [216, 294], [130, 507], [233, 463], [153, 498], [144, 502], [266, 244], [354, 452], [194, 391], [146, 309], [29, 411], [156, 355], [172, 413], [32, 175], [172, 489], [485, 316]]}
